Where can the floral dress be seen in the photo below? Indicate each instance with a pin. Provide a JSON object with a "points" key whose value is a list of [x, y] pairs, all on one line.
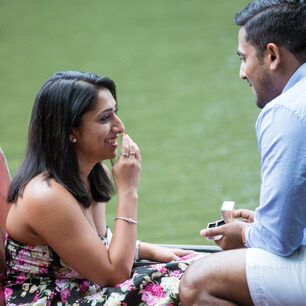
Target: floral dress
{"points": [[36, 275]]}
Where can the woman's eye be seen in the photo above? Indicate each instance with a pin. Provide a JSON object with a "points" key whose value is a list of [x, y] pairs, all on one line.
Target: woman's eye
{"points": [[108, 116], [105, 118]]}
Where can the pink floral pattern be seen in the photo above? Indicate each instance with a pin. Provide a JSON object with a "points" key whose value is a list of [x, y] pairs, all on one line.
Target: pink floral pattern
{"points": [[152, 294], [36, 274]]}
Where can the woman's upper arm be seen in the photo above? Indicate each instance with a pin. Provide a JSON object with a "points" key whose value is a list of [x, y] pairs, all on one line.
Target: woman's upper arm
{"points": [[55, 216]]}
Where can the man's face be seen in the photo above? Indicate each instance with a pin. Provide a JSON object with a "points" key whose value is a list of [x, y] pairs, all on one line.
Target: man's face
{"points": [[255, 71]]}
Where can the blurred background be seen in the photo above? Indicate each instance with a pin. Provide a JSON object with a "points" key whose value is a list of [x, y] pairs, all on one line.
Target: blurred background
{"points": [[179, 96]]}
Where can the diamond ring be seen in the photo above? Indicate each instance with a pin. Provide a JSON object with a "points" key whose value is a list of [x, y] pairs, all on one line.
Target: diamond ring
{"points": [[125, 154]]}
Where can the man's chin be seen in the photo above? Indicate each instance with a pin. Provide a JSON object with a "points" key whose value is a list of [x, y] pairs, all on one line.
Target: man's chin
{"points": [[261, 103]]}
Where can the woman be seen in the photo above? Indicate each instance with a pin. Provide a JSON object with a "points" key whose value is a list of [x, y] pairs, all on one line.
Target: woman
{"points": [[59, 248]]}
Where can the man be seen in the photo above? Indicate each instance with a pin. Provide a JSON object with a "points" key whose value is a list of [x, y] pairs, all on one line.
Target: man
{"points": [[267, 261]]}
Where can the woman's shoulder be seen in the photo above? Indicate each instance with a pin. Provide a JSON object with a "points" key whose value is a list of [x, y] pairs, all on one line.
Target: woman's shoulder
{"points": [[42, 183], [41, 186], [44, 194], [42, 201]]}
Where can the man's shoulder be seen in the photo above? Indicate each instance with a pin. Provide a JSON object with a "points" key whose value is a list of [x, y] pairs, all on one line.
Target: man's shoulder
{"points": [[294, 99], [291, 103]]}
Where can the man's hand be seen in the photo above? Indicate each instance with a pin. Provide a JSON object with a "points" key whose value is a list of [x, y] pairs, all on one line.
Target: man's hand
{"points": [[231, 233], [247, 215]]}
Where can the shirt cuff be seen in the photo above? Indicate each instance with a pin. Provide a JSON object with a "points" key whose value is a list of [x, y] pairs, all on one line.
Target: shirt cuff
{"points": [[245, 234]]}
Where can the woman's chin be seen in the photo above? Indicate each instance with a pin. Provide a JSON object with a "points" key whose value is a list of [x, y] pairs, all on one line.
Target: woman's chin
{"points": [[110, 155], [115, 153]]}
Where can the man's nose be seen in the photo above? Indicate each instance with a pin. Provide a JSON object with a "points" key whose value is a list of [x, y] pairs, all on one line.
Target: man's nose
{"points": [[242, 74]]}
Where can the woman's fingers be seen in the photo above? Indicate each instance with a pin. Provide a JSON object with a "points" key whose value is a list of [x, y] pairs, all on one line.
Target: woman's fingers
{"points": [[134, 150], [128, 147], [125, 150], [126, 171], [182, 253]]}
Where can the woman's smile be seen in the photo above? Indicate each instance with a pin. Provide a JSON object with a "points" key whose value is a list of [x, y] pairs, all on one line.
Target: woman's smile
{"points": [[112, 141]]}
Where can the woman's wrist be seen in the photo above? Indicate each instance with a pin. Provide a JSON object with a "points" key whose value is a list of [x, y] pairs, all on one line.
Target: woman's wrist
{"points": [[127, 205], [148, 251], [127, 194]]}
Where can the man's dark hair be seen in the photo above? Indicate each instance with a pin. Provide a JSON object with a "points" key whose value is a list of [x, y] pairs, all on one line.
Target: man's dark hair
{"points": [[59, 107], [282, 22]]}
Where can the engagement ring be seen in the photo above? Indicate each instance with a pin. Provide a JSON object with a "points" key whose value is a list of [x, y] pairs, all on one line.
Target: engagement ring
{"points": [[125, 154]]}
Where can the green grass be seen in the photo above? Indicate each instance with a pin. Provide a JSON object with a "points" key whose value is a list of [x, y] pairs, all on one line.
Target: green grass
{"points": [[179, 94]]}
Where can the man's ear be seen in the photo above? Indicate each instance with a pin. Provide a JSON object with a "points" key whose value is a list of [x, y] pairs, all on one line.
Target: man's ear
{"points": [[273, 56]]}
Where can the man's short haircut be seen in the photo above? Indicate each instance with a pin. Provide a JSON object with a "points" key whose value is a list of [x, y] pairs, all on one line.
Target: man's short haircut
{"points": [[282, 22]]}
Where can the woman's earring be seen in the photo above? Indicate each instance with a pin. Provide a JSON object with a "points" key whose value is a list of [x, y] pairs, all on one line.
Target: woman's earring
{"points": [[73, 139]]}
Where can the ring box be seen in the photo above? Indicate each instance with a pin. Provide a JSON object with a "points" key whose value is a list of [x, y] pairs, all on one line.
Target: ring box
{"points": [[215, 224], [227, 211]]}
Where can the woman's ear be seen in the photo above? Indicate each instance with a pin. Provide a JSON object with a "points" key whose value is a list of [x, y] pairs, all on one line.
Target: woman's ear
{"points": [[72, 136], [273, 56]]}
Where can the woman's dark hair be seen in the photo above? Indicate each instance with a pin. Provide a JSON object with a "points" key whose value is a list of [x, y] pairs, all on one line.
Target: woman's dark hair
{"points": [[282, 22], [59, 107]]}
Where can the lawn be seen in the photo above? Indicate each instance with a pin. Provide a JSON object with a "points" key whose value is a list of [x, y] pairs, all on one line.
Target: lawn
{"points": [[179, 95]]}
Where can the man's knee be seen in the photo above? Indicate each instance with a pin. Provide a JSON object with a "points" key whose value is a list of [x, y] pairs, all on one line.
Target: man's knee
{"points": [[193, 283], [215, 279], [186, 289]]}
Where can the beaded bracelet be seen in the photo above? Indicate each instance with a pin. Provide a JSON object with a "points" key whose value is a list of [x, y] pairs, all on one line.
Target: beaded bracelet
{"points": [[243, 233], [130, 220]]}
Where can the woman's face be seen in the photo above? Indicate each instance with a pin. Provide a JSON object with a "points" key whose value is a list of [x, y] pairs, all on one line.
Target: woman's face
{"points": [[96, 138]]}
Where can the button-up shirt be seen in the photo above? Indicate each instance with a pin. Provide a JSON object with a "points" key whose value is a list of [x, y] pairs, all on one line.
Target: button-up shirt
{"points": [[280, 220]]}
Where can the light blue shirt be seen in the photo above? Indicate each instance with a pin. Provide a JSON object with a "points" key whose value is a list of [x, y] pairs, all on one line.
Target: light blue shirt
{"points": [[280, 220]]}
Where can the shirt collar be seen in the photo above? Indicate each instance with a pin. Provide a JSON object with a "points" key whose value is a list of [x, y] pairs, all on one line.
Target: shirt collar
{"points": [[296, 77]]}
